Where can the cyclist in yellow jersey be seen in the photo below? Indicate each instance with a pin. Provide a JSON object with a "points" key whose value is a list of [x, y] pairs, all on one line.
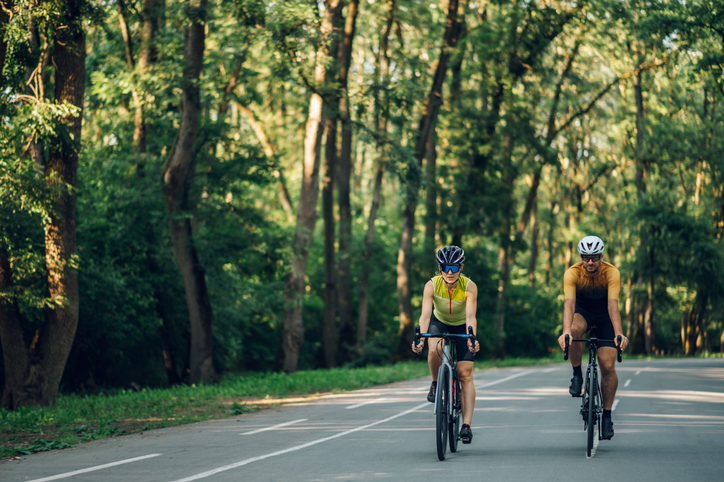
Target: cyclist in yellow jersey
{"points": [[449, 303], [591, 290]]}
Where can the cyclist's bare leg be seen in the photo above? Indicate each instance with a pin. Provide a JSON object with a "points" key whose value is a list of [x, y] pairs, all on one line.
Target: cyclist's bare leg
{"points": [[575, 350], [609, 378], [465, 372], [434, 360]]}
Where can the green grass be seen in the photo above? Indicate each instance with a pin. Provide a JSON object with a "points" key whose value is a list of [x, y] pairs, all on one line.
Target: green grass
{"points": [[78, 418]]}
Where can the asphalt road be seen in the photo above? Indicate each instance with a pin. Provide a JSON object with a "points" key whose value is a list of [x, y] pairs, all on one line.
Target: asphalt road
{"points": [[668, 418]]}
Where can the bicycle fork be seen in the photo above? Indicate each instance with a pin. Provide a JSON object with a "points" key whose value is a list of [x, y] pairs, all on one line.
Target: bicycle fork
{"points": [[591, 390]]}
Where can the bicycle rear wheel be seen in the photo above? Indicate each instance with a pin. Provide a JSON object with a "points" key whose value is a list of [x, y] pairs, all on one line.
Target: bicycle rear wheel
{"points": [[591, 412], [454, 428], [441, 419]]}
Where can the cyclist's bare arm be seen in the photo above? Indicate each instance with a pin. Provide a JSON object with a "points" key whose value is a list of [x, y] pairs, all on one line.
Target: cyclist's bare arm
{"points": [[471, 307], [615, 315], [425, 315], [569, 307]]}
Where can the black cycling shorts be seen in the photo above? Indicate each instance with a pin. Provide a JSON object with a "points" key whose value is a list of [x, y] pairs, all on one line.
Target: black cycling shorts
{"points": [[461, 344], [599, 325]]}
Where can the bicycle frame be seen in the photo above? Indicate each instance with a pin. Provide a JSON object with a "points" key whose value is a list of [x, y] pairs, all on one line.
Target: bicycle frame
{"points": [[592, 400], [449, 389]]}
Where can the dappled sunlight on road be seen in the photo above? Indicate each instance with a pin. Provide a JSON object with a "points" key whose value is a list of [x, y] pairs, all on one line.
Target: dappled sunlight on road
{"points": [[520, 394], [678, 395]]}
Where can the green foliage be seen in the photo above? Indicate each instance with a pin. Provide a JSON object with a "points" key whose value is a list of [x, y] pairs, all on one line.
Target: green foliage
{"points": [[659, 196]]}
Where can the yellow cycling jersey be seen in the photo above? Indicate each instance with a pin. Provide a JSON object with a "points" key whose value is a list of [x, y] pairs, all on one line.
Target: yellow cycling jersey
{"points": [[592, 292], [449, 306]]}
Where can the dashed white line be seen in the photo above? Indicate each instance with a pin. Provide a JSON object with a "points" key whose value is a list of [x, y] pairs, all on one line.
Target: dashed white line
{"points": [[91, 469], [548, 370], [364, 403], [506, 379], [615, 402], [224, 468], [627, 382], [637, 372], [275, 426]]}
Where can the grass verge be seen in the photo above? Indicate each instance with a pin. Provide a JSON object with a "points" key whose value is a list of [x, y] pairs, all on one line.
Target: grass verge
{"points": [[79, 418]]}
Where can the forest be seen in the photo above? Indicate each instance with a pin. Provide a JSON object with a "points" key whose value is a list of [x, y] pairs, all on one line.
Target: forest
{"points": [[191, 188]]}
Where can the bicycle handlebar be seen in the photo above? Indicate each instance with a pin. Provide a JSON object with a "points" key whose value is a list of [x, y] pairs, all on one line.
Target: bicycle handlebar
{"points": [[596, 341], [419, 335]]}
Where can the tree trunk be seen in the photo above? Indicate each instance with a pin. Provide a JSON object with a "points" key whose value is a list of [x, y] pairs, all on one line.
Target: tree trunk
{"points": [[504, 250], [382, 72], [430, 195], [427, 123], [366, 266], [346, 323], [533, 244], [33, 376], [178, 178], [329, 327], [293, 331], [332, 106], [629, 308], [640, 164], [684, 329], [20, 389], [649, 328]]}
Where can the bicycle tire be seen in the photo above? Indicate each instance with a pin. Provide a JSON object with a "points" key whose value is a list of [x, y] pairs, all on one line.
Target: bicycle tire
{"points": [[454, 427], [591, 416], [441, 418]]}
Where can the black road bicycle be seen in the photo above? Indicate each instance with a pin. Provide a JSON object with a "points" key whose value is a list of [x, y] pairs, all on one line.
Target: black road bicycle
{"points": [[448, 396], [591, 401]]}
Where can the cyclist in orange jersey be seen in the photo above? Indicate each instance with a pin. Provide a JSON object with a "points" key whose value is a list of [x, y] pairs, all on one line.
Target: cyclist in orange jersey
{"points": [[591, 290], [449, 303]]}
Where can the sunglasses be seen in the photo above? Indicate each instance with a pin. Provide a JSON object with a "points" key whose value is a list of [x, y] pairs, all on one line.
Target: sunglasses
{"points": [[449, 268], [586, 259]]}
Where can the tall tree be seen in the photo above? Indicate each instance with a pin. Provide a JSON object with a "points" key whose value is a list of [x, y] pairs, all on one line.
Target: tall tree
{"points": [[382, 69], [178, 177], [347, 329], [329, 327], [34, 369], [293, 330], [426, 126]]}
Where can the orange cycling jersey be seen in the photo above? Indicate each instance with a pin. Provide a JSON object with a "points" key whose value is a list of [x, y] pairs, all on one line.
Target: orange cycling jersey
{"points": [[592, 291]]}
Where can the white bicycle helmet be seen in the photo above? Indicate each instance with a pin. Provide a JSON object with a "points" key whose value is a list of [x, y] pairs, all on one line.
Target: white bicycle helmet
{"points": [[590, 245]]}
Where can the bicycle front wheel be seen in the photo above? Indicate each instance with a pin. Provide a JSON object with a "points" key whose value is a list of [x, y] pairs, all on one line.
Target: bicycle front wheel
{"points": [[454, 428], [441, 403], [591, 413]]}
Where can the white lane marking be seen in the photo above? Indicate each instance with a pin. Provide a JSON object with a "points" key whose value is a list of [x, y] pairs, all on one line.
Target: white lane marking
{"points": [[217, 470], [637, 372], [275, 426], [364, 403], [91, 469], [613, 407], [224, 468], [548, 370], [627, 382], [595, 446], [505, 379]]}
